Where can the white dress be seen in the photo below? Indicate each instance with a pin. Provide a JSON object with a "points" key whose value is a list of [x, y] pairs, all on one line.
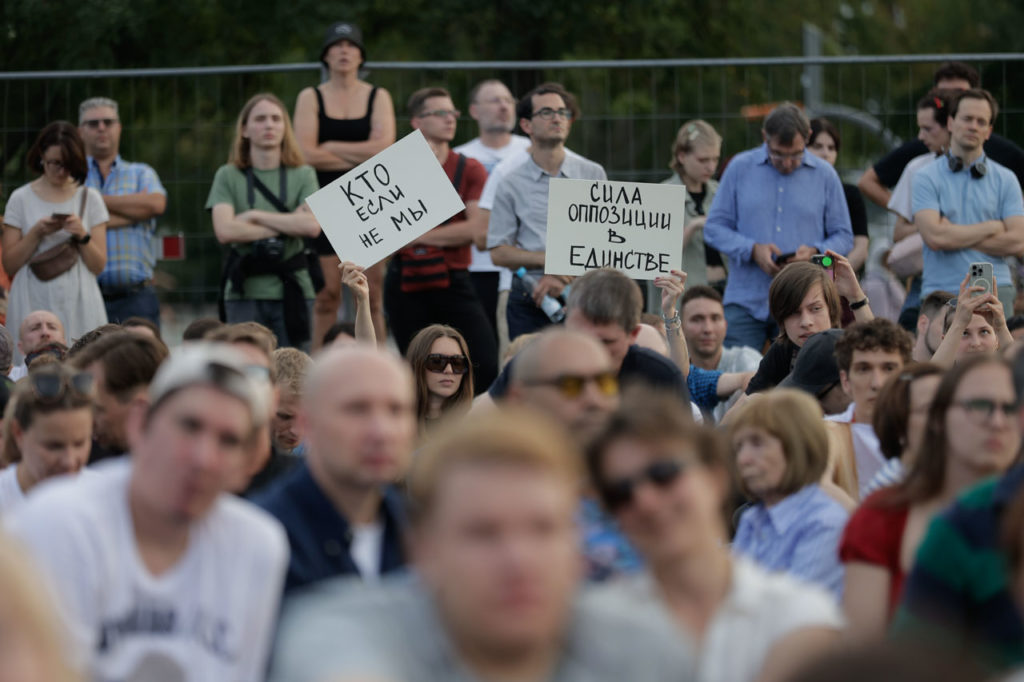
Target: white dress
{"points": [[73, 296]]}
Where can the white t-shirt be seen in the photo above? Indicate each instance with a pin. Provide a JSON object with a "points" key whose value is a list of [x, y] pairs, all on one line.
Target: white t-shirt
{"points": [[11, 495], [210, 617], [491, 157], [901, 200], [866, 448], [760, 609], [19, 371], [365, 549]]}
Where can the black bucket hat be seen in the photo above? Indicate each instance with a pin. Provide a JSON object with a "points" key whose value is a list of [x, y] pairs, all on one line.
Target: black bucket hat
{"points": [[343, 30]]}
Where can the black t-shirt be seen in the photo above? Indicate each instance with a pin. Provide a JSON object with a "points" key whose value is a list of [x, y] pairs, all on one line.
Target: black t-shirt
{"points": [[1001, 150], [858, 213], [639, 365], [775, 366]]}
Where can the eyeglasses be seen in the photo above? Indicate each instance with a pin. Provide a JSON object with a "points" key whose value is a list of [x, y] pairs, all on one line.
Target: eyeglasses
{"points": [[619, 493], [437, 362], [780, 157], [982, 408], [441, 113], [50, 164], [94, 123], [571, 385], [547, 113], [49, 387]]}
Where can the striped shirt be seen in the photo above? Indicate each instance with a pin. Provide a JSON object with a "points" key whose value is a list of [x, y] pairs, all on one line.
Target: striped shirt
{"points": [[799, 536], [130, 249], [959, 593]]}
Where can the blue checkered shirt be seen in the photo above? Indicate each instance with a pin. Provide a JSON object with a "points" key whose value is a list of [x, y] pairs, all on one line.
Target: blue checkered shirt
{"points": [[130, 249]]}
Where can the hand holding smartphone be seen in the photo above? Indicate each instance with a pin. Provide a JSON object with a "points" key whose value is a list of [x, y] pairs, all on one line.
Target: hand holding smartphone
{"points": [[980, 275]]}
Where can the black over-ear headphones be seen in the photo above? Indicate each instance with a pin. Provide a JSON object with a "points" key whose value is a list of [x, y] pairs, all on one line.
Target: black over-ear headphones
{"points": [[956, 164]]}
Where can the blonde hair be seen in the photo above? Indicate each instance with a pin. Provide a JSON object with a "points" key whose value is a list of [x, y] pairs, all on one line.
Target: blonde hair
{"points": [[291, 155], [26, 605], [691, 135], [291, 366], [796, 419], [510, 436]]}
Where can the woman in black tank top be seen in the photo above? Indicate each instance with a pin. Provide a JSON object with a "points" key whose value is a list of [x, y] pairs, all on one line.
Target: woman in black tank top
{"points": [[339, 124]]}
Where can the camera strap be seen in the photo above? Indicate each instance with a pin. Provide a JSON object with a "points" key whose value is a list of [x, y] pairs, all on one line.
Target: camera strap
{"points": [[253, 183]]}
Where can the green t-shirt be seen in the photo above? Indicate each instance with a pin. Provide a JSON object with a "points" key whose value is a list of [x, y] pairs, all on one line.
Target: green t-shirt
{"points": [[229, 187]]}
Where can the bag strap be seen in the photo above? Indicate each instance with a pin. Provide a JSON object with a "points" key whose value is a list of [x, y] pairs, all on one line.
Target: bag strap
{"points": [[278, 202], [81, 206], [459, 167]]}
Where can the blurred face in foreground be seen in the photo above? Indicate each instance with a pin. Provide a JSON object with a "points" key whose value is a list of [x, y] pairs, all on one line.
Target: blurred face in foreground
{"points": [[500, 554]]}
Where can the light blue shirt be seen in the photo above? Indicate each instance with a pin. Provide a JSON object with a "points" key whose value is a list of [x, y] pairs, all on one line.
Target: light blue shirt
{"points": [[757, 204], [965, 200], [799, 535]]}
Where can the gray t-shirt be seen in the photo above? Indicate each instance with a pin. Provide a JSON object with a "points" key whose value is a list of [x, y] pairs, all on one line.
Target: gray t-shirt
{"points": [[347, 630]]}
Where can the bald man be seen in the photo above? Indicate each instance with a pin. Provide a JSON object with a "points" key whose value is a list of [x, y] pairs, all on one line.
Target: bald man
{"points": [[339, 507], [39, 328], [570, 376]]}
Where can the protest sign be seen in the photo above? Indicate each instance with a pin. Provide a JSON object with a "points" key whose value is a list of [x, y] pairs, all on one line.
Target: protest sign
{"points": [[385, 202], [630, 226]]}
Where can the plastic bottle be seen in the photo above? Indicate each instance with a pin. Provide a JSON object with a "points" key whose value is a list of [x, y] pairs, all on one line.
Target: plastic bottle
{"points": [[551, 307]]}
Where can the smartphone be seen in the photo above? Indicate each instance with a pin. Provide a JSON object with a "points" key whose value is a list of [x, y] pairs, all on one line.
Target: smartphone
{"points": [[822, 260], [782, 258], [61, 216], [980, 275]]}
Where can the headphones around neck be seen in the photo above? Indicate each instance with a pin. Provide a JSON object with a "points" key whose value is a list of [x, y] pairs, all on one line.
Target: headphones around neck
{"points": [[956, 164]]}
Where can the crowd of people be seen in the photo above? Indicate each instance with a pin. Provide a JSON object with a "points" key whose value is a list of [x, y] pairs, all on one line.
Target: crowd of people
{"points": [[767, 480]]}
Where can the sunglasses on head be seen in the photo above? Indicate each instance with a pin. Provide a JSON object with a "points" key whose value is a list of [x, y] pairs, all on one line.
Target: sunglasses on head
{"points": [[436, 362], [49, 387], [619, 493], [571, 385]]}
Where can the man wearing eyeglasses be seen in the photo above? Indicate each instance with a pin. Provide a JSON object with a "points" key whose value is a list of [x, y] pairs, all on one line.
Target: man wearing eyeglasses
{"points": [[428, 281], [134, 197], [517, 228], [775, 204], [340, 507], [158, 573]]}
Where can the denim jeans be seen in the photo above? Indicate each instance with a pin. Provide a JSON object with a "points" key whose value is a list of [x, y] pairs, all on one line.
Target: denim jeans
{"points": [[142, 303], [745, 330]]}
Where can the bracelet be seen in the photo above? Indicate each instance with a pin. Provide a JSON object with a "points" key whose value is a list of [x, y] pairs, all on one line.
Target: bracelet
{"points": [[672, 320], [859, 304], [82, 240]]}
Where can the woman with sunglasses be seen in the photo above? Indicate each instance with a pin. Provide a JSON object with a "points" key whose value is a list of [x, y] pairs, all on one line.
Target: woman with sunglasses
{"points": [[54, 237], [971, 433], [47, 431], [780, 452], [665, 480], [444, 375]]}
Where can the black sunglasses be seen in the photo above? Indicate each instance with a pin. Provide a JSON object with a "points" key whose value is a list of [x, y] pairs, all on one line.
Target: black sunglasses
{"points": [[49, 387], [619, 493], [436, 362], [95, 122]]}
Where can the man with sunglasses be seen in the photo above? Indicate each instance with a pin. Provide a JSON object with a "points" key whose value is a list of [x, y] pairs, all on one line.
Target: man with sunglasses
{"points": [[775, 204], [340, 507], [428, 280], [517, 227], [134, 197], [158, 573]]}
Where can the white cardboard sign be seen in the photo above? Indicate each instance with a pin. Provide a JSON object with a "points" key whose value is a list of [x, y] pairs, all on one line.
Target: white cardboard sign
{"points": [[634, 227], [386, 202]]}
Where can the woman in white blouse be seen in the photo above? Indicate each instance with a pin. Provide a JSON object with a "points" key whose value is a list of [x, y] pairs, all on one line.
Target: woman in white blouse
{"points": [[666, 480], [54, 237]]}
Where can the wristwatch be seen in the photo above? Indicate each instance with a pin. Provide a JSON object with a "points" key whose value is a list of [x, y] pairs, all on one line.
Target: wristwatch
{"points": [[859, 304], [82, 240]]}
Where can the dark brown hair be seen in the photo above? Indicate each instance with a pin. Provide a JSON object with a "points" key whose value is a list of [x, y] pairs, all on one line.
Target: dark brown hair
{"points": [[788, 289], [938, 101], [957, 70], [823, 125], [416, 355], [524, 108], [892, 407], [72, 150], [975, 93], [25, 405], [418, 98], [928, 473], [877, 334], [129, 361]]}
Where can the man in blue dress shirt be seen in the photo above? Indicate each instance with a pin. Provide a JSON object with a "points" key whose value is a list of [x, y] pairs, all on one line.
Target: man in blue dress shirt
{"points": [[775, 204]]}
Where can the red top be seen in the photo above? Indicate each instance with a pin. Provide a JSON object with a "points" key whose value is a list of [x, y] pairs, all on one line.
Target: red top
{"points": [[874, 535], [470, 188]]}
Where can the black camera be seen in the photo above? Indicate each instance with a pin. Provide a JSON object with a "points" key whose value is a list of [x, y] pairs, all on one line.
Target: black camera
{"points": [[268, 250]]}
